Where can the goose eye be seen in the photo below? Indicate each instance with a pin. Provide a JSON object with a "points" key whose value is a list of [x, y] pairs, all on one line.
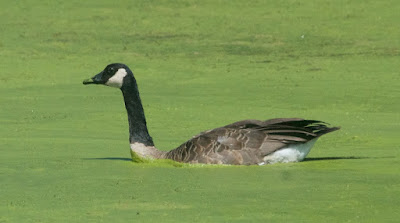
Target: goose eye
{"points": [[111, 70]]}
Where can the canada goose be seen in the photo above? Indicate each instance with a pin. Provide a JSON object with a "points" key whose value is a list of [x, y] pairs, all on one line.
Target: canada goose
{"points": [[246, 142]]}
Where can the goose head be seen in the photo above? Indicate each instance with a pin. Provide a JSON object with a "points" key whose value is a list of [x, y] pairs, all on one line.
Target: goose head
{"points": [[114, 75], [120, 76]]}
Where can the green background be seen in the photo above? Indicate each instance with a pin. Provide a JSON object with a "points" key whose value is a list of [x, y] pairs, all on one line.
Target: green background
{"points": [[199, 65]]}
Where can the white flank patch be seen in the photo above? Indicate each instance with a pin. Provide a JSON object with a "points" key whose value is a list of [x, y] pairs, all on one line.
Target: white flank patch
{"points": [[291, 153], [118, 79]]}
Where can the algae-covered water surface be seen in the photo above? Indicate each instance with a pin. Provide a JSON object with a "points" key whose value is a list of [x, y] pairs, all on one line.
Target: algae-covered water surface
{"points": [[199, 65]]}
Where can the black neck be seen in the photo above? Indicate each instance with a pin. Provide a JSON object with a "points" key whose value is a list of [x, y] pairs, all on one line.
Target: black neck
{"points": [[137, 122]]}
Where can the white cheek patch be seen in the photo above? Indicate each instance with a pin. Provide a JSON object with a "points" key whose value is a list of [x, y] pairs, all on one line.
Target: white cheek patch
{"points": [[118, 79]]}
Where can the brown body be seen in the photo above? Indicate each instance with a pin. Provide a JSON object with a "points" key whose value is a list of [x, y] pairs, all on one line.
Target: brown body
{"points": [[247, 142]]}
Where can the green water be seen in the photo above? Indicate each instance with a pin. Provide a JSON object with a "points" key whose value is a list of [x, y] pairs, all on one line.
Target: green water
{"points": [[199, 65]]}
